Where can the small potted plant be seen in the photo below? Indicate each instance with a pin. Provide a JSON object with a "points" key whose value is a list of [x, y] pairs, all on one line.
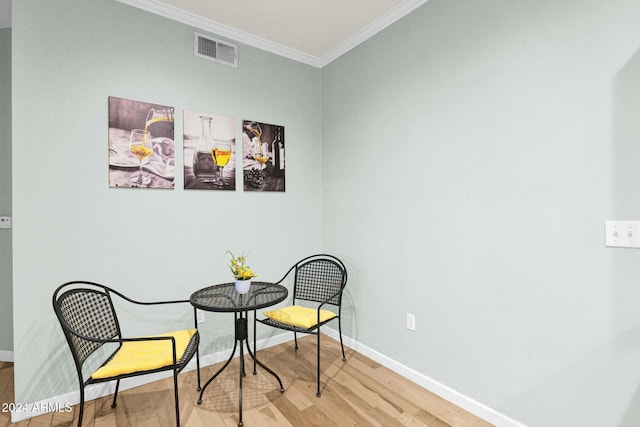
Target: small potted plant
{"points": [[242, 273]]}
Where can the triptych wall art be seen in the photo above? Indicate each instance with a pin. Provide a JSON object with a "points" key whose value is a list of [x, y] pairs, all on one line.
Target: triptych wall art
{"points": [[142, 149]]}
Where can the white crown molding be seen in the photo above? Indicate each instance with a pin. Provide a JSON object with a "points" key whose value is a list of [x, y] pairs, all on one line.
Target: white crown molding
{"points": [[371, 30], [179, 15], [220, 29]]}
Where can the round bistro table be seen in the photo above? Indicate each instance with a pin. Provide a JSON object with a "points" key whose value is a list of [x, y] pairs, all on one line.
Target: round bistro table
{"points": [[224, 298]]}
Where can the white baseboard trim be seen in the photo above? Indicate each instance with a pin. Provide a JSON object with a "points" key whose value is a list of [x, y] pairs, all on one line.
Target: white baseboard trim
{"points": [[6, 356], [65, 401], [465, 402]]}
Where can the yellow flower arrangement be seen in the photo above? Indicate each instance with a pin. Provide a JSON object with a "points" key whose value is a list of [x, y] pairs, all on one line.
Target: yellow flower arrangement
{"points": [[239, 269]]}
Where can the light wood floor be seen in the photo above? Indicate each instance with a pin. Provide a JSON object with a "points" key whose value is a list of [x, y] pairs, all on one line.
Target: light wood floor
{"points": [[358, 392]]}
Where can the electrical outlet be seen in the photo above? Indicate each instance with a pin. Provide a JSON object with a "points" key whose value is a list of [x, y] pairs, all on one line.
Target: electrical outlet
{"points": [[411, 322], [200, 316]]}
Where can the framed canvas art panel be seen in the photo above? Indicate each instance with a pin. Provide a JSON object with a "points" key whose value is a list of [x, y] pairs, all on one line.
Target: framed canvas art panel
{"points": [[263, 156], [141, 144], [209, 147]]}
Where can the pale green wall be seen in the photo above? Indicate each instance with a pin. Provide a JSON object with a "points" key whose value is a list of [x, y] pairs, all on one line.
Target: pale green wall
{"points": [[471, 153], [6, 311], [152, 244]]}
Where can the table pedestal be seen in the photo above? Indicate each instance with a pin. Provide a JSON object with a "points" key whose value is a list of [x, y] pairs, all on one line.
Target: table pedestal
{"points": [[241, 336]]}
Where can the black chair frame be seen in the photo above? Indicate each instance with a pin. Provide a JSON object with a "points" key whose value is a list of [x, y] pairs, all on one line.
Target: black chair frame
{"points": [[307, 272], [74, 302]]}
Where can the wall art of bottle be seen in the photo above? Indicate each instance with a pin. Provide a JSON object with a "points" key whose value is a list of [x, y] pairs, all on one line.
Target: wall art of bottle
{"points": [[263, 156]]}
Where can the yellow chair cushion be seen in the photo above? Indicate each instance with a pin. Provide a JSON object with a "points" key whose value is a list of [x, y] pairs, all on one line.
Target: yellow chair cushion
{"points": [[136, 356], [303, 317]]}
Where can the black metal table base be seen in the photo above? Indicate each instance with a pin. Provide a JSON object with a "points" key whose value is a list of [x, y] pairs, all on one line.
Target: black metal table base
{"points": [[241, 335]]}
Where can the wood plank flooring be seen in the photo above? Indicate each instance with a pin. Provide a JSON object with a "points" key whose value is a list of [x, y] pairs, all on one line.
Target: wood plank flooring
{"points": [[358, 392]]}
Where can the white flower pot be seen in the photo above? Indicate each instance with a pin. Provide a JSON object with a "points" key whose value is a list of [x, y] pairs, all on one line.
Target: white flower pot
{"points": [[243, 286]]}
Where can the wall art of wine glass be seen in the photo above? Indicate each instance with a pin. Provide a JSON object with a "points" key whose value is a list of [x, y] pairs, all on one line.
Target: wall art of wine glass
{"points": [[209, 147], [141, 144], [263, 165]]}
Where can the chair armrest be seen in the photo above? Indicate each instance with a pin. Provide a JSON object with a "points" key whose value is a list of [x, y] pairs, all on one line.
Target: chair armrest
{"points": [[285, 275], [152, 303], [131, 300], [119, 340], [173, 343], [123, 340], [326, 301]]}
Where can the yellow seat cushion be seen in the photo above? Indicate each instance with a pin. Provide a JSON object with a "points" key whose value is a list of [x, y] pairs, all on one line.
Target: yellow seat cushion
{"points": [[136, 356], [303, 317]]}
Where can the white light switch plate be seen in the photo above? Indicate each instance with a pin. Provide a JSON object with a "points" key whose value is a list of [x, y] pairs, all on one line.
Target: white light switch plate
{"points": [[5, 222], [622, 234]]}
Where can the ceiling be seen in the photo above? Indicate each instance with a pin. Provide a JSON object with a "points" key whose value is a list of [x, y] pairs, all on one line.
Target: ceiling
{"points": [[311, 31]]}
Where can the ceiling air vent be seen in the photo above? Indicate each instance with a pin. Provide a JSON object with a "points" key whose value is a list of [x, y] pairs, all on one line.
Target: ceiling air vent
{"points": [[216, 50]]}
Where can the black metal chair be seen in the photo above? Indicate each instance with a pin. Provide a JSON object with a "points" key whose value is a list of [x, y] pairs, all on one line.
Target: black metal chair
{"points": [[89, 321], [319, 280]]}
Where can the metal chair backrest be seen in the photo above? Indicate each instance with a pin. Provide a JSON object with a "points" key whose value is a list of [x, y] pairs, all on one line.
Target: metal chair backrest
{"points": [[318, 278], [86, 316]]}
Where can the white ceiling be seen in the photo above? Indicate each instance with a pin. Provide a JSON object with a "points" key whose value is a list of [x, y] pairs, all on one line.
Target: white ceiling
{"points": [[311, 31]]}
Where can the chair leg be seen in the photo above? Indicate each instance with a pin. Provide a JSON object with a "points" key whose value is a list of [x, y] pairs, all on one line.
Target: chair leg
{"points": [[318, 392], [340, 333], [175, 393], [81, 406], [295, 340], [198, 365], [115, 394]]}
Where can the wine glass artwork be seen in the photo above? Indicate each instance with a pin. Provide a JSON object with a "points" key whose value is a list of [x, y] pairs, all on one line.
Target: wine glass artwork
{"points": [[262, 156], [259, 150], [140, 146], [221, 154], [210, 140]]}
